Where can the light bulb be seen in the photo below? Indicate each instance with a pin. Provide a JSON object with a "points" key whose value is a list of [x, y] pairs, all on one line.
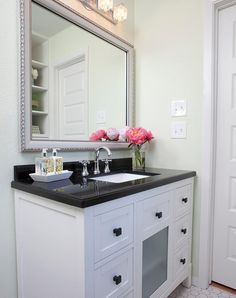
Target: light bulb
{"points": [[105, 5], [120, 13]]}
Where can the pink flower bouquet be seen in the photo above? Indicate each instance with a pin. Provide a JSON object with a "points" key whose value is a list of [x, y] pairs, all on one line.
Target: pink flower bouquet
{"points": [[137, 137]]}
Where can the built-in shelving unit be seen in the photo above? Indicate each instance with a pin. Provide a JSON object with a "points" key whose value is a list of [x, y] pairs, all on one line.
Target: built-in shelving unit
{"points": [[39, 108]]}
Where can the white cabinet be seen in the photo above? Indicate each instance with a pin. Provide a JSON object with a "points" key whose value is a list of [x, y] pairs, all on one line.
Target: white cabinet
{"points": [[136, 246]]}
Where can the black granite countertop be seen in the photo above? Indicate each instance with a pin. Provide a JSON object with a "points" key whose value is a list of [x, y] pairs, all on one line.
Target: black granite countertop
{"points": [[83, 192]]}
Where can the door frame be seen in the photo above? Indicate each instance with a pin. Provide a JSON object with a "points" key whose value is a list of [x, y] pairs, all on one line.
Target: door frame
{"points": [[211, 12]]}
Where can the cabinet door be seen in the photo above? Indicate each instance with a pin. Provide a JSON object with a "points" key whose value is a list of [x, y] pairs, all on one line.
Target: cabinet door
{"points": [[182, 230], [155, 213], [181, 261], [115, 278], [155, 262], [112, 231], [183, 200]]}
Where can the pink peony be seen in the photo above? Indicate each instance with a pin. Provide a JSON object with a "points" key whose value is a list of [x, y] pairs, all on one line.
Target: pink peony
{"points": [[98, 135], [112, 134], [138, 136], [123, 133], [149, 136]]}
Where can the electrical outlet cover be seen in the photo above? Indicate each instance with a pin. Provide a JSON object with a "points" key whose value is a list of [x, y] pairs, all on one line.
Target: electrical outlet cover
{"points": [[178, 108], [178, 130]]}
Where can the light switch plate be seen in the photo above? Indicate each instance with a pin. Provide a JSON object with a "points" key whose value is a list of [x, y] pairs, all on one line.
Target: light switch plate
{"points": [[178, 108], [101, 117], [178, 130]]}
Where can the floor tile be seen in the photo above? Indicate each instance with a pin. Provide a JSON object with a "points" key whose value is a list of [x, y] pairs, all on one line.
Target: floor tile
{"points": [[194, 292]]}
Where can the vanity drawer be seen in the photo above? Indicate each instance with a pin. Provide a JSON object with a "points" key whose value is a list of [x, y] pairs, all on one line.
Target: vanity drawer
{"points": [[183, 200], [113, 230], [115, 277], [181, 260], [182, 230], [156, 213]]}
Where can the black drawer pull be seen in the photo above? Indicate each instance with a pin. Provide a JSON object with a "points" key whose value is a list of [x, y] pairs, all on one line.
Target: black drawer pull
{"points": [[117, 232], [185, 200], [184, 231], [159, 214], [117, 279], [183, 261]]}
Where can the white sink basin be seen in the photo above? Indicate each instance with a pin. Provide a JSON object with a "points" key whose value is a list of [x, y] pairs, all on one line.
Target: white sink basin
{"points": [[120, 178]]}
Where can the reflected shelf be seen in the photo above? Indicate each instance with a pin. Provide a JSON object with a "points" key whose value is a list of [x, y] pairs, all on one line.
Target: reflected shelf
{"points": [[39, 136], [38, 89], [38, 64], [43, 113]]}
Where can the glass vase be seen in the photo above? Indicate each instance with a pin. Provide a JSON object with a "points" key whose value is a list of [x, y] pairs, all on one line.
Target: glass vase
{"points": [[138, 159]]}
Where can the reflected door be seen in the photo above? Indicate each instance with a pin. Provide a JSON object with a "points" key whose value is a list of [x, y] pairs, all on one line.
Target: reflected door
{"points": [[73, 102]]}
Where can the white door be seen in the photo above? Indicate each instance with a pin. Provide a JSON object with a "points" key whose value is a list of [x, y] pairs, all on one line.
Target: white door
{"points": [[73, 103], [224, 243]]}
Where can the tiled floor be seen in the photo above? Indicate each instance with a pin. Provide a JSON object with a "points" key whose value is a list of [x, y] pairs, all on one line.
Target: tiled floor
{"points": [[193, 292]]}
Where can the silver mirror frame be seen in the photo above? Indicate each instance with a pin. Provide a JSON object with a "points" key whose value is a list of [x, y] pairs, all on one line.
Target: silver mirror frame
{"points": [[26, 142]]}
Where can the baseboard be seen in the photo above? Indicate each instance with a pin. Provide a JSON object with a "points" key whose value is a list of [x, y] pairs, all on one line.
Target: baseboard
{"points": [[195, 281]]}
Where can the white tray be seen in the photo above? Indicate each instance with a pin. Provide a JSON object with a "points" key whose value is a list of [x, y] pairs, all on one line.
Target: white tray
{"points": [[51, 177]]}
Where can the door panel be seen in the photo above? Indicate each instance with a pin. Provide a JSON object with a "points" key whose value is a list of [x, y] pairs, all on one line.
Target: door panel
{"points": [[224, 243]]}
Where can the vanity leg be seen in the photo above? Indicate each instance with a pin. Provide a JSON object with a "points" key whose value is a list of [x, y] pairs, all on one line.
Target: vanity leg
{"points": [[187, 282]]}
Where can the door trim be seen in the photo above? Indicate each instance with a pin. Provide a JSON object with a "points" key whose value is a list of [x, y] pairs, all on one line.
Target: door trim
{"points": [[211, 12]]}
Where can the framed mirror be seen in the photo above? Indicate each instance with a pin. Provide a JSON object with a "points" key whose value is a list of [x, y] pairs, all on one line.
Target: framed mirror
{"points": [[76, 78]]}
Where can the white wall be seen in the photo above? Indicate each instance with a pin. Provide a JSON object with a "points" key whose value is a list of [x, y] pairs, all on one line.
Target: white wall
{"points": [[9, 149], [123, 30], [169, 60]]}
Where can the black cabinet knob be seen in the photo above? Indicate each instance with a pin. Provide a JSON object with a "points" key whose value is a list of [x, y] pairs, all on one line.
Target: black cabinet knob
{"points": [[117, 279], [184, 231], [159, 214], [183, 261], [117, 232], [185, 200]]}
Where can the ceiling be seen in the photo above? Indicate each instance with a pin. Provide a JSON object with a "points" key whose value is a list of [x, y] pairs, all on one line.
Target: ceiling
{"points": [[52, 23]]}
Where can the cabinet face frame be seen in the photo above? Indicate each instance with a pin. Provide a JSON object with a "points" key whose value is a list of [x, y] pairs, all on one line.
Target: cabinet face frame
{"points": [[26, 142]]}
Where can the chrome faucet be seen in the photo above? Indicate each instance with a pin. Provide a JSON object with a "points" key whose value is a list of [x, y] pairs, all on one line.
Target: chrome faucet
{"points": [[96, 161]]}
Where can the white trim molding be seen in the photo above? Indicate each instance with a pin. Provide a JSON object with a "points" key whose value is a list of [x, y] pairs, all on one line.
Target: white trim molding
{"points": [[211, 10]]}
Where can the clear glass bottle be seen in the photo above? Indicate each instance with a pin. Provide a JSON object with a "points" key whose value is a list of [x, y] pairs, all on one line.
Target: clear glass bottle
{"points": [[42, 164], [57, 162]]}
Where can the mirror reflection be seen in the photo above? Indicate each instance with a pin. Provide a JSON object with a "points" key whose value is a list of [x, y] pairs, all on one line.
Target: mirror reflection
{"points": [[78, 80]]}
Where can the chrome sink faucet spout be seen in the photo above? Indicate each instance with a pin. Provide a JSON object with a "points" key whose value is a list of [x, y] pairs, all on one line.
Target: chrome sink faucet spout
{"points": [[96, 161]]}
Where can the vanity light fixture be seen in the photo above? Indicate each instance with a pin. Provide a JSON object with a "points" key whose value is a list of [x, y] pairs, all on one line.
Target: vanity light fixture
{"points": [[105, 8]]}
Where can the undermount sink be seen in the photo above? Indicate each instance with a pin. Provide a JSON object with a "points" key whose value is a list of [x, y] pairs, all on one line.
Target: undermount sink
{"points": [[120, 178]]}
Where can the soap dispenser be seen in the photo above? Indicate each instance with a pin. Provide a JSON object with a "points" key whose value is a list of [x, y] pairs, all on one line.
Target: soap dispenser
{"points": [[42, 164], [57, 162]]}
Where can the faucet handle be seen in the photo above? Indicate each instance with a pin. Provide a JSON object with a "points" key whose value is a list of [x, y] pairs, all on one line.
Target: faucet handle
{"points": [[106, 161], [85, 169]]}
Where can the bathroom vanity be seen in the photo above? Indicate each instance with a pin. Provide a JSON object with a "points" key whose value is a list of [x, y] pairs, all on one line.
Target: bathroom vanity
{"points": [[83, 238]]}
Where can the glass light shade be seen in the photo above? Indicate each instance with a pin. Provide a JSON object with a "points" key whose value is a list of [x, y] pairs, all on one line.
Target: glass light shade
{"points": [[120, 13], [105, 5]]}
